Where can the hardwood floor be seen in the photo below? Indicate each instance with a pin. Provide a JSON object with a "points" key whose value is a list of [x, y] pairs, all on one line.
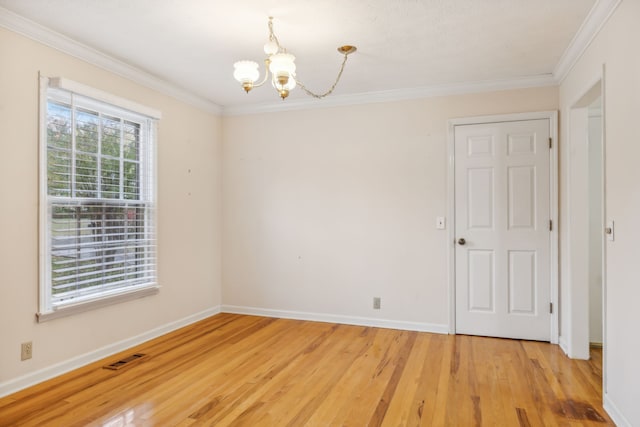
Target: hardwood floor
{"points": [[252, 371]]}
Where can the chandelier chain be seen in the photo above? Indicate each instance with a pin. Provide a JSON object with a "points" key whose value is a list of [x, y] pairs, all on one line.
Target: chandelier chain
{"points": [[327, 93], [272, 35]]}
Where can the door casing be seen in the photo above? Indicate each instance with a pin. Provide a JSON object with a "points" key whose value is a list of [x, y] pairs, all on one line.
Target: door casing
{"points": [[552, 116]]}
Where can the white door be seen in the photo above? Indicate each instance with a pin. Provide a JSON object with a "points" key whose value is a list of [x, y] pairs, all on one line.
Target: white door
{"points": [[502, 229]]}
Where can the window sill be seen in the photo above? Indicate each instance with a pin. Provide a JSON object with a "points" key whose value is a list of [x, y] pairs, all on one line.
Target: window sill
{"points": [[96, 303]]}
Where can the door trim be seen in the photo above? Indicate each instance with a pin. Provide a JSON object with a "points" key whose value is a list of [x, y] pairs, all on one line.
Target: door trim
{"points": [[552, 116]]}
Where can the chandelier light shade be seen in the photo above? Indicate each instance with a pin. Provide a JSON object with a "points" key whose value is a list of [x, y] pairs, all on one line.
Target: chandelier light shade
{"points": [[246, 72], [281, 66]]}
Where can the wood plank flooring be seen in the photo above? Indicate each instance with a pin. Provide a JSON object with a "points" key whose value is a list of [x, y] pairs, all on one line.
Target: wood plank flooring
{"points": [[234, 370]]}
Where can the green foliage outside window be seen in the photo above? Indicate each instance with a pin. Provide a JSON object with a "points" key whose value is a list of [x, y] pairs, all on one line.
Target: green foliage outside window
{"points": [[99, 219]]}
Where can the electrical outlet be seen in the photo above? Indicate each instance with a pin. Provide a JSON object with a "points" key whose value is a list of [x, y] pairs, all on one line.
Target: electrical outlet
{"points": [[376, 303], [27, 350]]}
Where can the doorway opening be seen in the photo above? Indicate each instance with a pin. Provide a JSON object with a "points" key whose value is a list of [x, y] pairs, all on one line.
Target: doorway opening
{"points": [[596, 221], [585, 288]]}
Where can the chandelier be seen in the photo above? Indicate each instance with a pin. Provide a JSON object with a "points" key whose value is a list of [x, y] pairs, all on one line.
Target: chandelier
{"points": [[280, 68]]}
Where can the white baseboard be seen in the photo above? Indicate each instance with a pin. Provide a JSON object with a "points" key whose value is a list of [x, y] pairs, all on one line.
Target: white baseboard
{"points": [[562, 342], [570, 352], [332, 318], [614, 413], [49, 372]]}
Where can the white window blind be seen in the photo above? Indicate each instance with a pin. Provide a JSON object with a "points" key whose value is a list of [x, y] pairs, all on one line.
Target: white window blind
{"points": [[98, 197]]}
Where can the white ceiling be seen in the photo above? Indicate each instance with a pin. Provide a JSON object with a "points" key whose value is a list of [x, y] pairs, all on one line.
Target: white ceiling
{"points": [[402, 44]]}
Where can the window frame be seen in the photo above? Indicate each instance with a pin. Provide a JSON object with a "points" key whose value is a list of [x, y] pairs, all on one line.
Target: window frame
{"points": [[104, 103]]}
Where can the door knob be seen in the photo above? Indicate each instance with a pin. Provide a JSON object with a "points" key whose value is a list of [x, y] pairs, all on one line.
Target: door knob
{"points": [[461, 241]]}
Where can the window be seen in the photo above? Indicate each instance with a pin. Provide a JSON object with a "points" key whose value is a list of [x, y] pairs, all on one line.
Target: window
{"points": [[97, 199]]}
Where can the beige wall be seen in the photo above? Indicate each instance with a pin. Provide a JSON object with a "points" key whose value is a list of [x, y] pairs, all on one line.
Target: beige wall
{"points": [[617, 48], [188, 216], [325, 209]]}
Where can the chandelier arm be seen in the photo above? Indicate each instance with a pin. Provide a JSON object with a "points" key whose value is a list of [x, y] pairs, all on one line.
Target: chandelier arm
{"points": [[266, 74], [327, 93]]}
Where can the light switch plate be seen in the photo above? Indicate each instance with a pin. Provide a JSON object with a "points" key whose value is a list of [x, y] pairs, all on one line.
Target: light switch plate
{"points": [[610, 230], [441, 223]]}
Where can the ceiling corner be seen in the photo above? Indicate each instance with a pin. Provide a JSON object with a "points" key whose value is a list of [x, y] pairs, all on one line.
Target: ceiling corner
{"points": [[598, 16]]}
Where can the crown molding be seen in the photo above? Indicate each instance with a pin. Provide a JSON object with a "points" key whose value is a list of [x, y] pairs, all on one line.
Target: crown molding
{"points": [[597, 17], [593, 23], [393, 95], [41, 34]]}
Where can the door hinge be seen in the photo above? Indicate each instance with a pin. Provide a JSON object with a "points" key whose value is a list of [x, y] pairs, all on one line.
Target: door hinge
{"points": [[550, 143], [551, 307], [550, 225]]}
